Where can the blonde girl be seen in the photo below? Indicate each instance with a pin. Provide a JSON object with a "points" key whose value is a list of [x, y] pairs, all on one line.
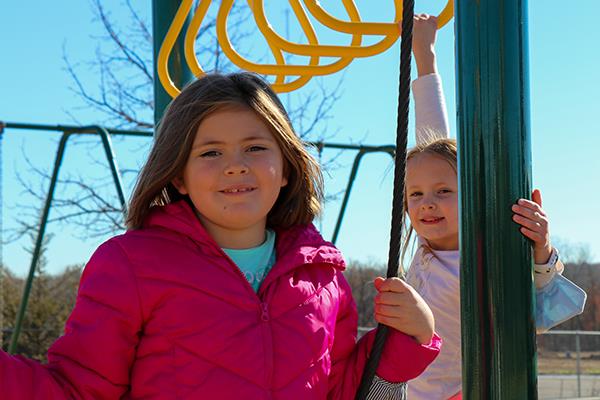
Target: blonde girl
{"points": [[431, 203]]}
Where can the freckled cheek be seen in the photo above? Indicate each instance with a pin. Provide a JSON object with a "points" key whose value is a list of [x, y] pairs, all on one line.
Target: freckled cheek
{"points": [[272, 170]]}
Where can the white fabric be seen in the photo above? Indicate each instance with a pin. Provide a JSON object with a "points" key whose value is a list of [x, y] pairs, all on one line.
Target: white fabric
{"points": [[435, 275], [544, 273], [431, 118], [384, 390]]}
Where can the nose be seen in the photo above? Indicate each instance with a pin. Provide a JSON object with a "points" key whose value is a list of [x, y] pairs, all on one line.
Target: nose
{"points": [[428, 203], [236, 165]]}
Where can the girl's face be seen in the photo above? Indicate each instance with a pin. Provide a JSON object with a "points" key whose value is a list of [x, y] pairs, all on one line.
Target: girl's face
{"points": [[233, 176], [432, 197]]}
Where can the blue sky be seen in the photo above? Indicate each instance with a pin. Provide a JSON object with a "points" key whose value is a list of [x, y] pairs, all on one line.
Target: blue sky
{"points": [[564, 109]]}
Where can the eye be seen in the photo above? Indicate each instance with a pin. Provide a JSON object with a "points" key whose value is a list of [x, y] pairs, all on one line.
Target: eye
{"points": [[415, 194], [444, 191], [256, 148], [210, 154]]}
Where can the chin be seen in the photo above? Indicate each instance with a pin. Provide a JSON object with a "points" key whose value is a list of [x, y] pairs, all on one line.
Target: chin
{"points": [[444, 246], [238, 223]]}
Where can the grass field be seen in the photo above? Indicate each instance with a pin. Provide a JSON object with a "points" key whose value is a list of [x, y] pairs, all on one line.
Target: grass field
{"points": [[565, 363]]}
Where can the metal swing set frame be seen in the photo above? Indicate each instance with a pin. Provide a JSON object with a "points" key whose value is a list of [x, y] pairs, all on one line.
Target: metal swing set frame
{"points": [[498, 333]]}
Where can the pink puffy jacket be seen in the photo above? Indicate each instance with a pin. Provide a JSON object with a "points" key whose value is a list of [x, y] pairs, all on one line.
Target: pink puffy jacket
{"points": [[163, 313]]}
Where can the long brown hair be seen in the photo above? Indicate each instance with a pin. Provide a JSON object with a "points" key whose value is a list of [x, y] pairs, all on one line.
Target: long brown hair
{"points": [[298, 202], [443, 148]]}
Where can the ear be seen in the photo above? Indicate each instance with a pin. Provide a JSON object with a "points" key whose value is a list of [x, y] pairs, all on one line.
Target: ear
{"points": [[180, 186], [285, 173]]}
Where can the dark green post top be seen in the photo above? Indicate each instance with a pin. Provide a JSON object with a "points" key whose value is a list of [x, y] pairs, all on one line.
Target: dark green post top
{"points": [[497, 293], [163, 12]]}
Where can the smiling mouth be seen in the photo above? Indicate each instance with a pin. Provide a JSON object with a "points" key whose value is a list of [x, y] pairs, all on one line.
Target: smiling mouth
{"points": [[431, 221], [238, 190]]}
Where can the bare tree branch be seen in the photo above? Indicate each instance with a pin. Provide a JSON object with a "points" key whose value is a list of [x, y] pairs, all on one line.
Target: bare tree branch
{"points": [[130, 55], [123, 97]]}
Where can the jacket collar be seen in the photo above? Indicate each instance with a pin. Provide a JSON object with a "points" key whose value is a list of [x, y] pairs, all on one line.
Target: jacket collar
{"points": [[298, 245], [178, 217]]}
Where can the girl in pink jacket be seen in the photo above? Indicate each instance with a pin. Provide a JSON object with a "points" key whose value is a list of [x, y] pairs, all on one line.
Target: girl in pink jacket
{"points": [[222, 288]]}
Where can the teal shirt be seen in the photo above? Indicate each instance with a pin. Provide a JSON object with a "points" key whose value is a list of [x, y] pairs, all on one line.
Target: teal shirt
{"points": [[256, 262]]}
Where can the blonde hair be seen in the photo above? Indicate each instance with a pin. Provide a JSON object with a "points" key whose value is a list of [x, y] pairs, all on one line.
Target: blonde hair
{"points": [[443, 148], [298, 202]]}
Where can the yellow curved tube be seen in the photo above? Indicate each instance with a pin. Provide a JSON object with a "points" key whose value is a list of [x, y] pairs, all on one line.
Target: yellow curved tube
{"points": [[278, 44], [365, 28], [267, 69], [190, 38], [190, 51], [162, 66], [324, 50], [280, 60], [311, 35], [446, 14], [197, 70], [371, 28]]}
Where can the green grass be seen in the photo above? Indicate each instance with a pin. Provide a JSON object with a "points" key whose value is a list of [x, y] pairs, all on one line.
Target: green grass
{"points": [[558, 363]]}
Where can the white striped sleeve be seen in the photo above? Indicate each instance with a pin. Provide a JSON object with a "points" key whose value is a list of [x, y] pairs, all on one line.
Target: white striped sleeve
{"points": [[384, 390]]}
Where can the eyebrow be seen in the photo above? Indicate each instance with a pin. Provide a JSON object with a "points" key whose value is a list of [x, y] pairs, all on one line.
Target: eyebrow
{"points": [[435, 184], [220, 142]]}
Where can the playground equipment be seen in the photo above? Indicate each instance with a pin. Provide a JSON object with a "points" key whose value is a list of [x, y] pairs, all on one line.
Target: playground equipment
{"points": [[67, 132], [494, 162], [356, 27], [497, 293], [346, 54]]}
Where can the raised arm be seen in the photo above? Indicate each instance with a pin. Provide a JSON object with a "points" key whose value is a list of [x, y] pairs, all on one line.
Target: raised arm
{"points": [[430, 106]]}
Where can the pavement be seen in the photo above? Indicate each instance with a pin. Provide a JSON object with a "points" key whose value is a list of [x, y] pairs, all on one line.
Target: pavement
{"points": [[551, 387]]}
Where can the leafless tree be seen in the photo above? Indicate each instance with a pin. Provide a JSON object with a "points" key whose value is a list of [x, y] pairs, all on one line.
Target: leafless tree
{"points": [[122, 96], [360, 276]]}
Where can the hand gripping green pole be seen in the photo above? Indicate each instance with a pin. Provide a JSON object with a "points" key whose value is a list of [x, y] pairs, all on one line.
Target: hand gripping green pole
{"points": [[498, 337]]}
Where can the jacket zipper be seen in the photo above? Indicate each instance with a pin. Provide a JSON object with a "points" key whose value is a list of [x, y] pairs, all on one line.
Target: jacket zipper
{"points": [[264, 312], [268, 346], [265, 326]]}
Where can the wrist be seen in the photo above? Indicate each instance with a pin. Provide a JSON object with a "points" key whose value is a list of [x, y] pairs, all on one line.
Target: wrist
{"points": [[424, 338], [543, 255], [426, 62]]}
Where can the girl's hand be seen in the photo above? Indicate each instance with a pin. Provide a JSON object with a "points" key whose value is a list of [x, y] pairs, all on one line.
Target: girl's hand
{"points": [[399, 306], [534, 225], [424, 33]]}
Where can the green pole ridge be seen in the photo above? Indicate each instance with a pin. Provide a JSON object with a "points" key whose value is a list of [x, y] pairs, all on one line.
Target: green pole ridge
{"points": [[163, 12], [497, 292], [12, 347]]}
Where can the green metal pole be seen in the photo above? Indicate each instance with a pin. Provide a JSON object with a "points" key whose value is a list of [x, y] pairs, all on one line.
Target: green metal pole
{"points": [[112, 163], [12, 347], [361, 153], [497, 293], [351, 179], [163, 12], [75, 129]]}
